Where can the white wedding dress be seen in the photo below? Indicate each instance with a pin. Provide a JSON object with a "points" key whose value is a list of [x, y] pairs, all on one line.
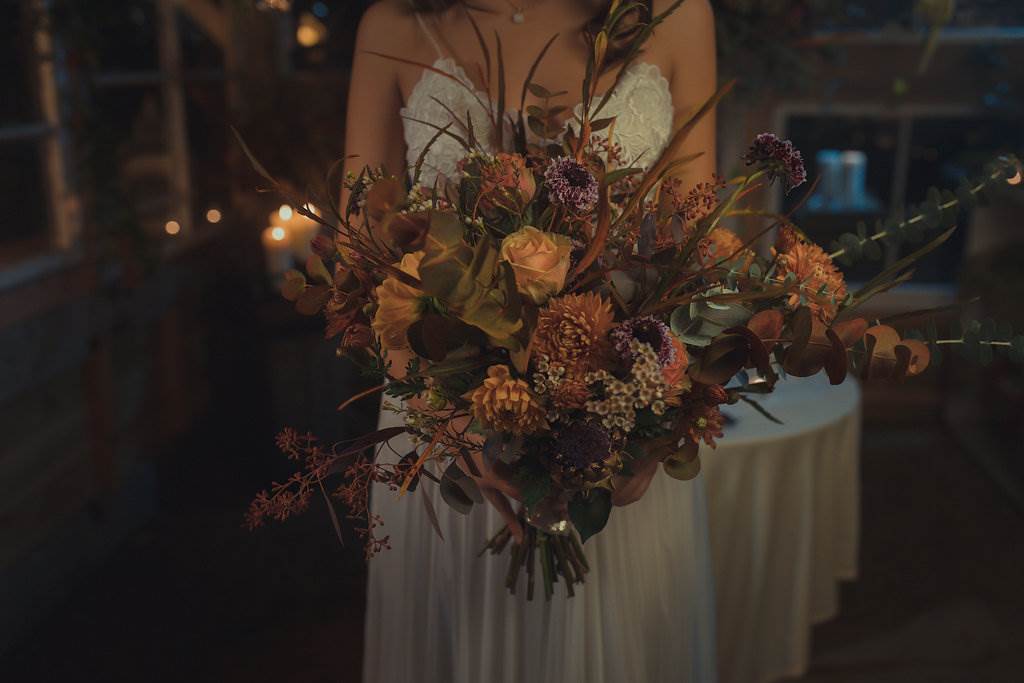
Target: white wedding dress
{"points": [[437, 613]]}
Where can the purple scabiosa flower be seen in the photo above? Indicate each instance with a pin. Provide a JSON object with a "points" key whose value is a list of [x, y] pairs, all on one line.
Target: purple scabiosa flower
{"points": [[647, 330], [582, 446], [571, 185], [780, 158]]}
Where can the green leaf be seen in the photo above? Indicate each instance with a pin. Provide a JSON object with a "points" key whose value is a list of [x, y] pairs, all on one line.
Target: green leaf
{"points": [[589, 513], [682, 465], [539, 90], [534, 484], [459, 490], [316, 270]]}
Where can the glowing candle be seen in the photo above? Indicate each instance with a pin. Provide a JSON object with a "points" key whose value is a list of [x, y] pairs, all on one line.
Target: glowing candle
{"points": [[277, 249], [300, 229]]}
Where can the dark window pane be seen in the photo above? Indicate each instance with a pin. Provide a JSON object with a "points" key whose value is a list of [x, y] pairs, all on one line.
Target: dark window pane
{"points": [[125, 33], [23, 200], [198, 52], [130, 159], [208, 146], [18, 103], [855, 158]]}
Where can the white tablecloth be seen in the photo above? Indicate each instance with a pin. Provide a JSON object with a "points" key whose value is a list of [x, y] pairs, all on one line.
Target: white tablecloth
{"points": [[784, 511]]}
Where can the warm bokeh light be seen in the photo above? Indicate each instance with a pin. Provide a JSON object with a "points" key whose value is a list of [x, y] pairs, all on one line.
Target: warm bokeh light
{"points": [[172, 227], [311, 31], [1015, 180], [213, 216], [285, 212], [278, 233]]}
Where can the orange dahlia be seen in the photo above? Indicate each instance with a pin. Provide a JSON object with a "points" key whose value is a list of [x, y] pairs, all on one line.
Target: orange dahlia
{"points": [[506, 404], [814, 268], [721, 245], [571, 329]]}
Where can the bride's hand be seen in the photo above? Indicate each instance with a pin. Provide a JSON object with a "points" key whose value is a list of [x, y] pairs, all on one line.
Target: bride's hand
{"points": [[494, 487], [629, 489], [497, 490]]}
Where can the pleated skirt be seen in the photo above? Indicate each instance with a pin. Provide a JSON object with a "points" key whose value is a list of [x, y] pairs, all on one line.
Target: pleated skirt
{"points": [[437, 613]]}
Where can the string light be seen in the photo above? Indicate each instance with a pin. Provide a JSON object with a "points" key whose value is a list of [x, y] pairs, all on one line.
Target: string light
{"points": [[172, 227], [285, 212], [278, 234], [1016, 179], [213, 216]]}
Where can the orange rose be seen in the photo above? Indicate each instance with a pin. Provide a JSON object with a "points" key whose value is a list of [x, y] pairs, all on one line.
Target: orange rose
{"points": [[540, 261], [398, 305]]}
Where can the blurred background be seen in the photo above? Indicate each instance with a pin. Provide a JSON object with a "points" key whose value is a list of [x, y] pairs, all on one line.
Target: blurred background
{"points": [[147, 359]]}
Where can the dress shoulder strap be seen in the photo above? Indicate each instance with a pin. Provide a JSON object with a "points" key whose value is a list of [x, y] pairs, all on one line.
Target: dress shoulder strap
{"points": [[430, 35]]}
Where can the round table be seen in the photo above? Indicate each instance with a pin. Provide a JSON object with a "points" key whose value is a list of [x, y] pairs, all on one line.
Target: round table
{"points": [[784, 512]]}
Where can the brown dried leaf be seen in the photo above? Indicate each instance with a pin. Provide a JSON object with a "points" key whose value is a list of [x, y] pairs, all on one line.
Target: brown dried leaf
{"points": [[919, 356], [407, 232], [294, 284], [759, 356], [722, 359], [836, 361], [313, 299], [851, 331], [880, 358], [767, 325]]}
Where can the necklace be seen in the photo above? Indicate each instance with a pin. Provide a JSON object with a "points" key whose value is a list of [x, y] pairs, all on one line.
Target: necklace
{"points": [[518, 15]]}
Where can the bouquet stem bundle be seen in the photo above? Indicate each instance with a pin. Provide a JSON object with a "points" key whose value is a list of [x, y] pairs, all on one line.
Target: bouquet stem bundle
{"points": [[560, 557]]}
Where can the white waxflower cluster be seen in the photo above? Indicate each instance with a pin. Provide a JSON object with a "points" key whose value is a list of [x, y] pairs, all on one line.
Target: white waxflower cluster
{"points": [[418, 200], [547, 378], [644, 388]]}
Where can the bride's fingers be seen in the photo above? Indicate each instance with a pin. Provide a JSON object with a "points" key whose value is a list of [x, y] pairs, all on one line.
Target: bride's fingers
{"points": [[504, 508]]}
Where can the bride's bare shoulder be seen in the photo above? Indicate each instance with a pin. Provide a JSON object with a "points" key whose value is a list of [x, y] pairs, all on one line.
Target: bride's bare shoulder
{"points": [[387, 24], [686, 34]]}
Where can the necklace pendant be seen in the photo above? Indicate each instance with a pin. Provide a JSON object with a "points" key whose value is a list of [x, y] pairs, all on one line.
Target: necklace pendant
{"points": [[518, 18]]}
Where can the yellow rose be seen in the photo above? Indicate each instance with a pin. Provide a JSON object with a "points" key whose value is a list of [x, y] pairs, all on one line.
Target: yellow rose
{"points": [[540, 261], [398, 305]]}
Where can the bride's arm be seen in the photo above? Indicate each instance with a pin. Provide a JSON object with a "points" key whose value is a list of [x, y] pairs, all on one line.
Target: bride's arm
{"points": [[373, 126], [688, 40]]}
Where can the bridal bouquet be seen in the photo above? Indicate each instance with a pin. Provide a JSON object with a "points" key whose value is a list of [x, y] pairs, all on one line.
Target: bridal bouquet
{"points": [[564, 318]]}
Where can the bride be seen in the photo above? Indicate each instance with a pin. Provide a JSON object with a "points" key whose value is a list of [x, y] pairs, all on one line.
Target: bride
{"points": [[435, 611]]}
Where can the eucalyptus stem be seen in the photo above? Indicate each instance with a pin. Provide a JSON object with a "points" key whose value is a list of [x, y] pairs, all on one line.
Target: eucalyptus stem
{"points": [[963, 341], [916, 219]]}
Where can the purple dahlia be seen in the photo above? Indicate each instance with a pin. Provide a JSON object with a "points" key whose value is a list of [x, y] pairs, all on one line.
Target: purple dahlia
{"points": [[571, 185], [648, 330]]}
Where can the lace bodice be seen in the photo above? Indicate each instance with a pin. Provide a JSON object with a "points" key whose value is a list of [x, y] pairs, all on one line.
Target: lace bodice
{"points": [[642, 105]]}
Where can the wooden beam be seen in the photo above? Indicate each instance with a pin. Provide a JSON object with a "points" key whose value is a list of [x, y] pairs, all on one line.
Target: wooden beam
{"points": [[210, 18], [173, 92], [64, 216]]}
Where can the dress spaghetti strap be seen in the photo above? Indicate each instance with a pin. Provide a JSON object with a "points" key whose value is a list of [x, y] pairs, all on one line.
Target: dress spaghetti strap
{"points": [[430, 36]]}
